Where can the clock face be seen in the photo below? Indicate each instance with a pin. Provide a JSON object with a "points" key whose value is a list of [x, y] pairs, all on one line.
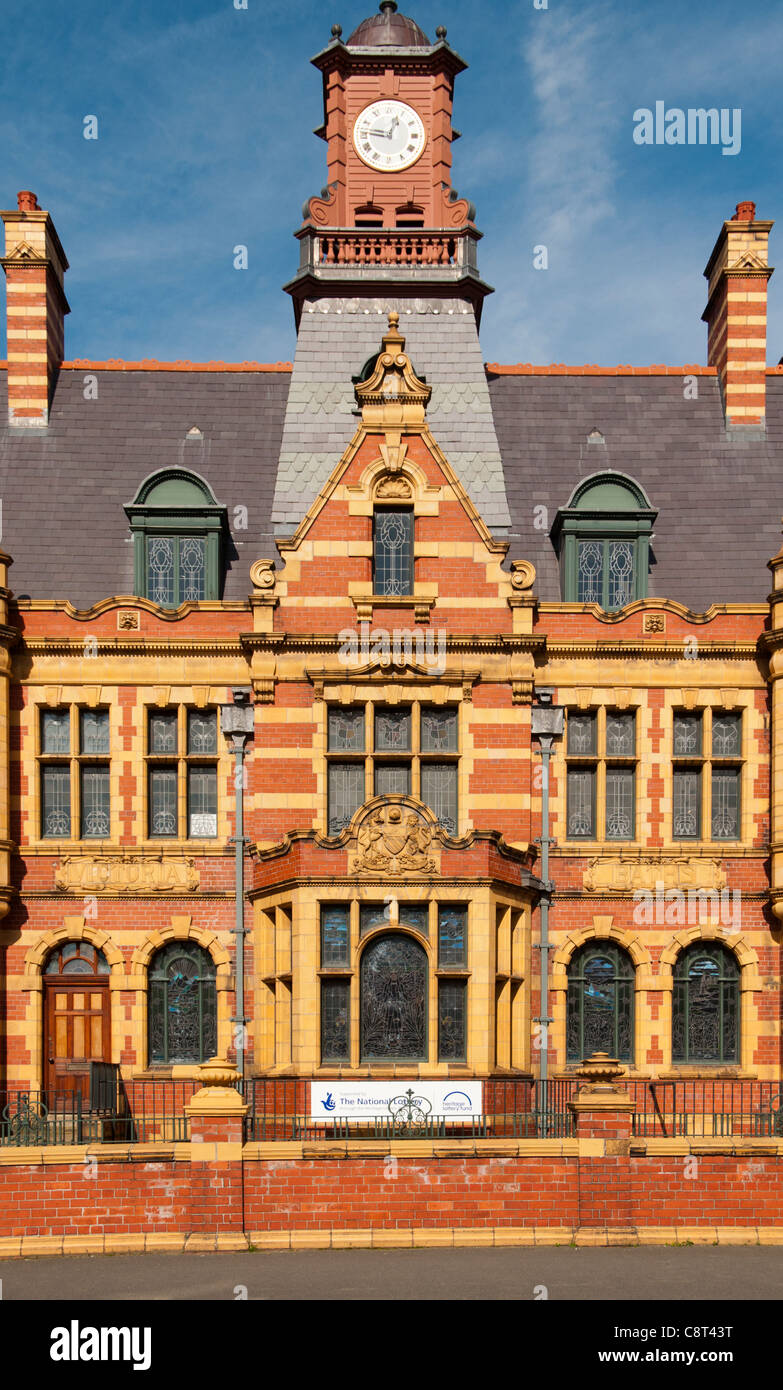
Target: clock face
{"points": [[389, 135]]}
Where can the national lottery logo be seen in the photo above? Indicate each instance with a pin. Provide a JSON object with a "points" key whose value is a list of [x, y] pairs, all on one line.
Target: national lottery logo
{"points": [[330, 1103]]}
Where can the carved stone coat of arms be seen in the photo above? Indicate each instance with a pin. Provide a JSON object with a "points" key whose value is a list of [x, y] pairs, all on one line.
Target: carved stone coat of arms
{"points": [[395, 839]]}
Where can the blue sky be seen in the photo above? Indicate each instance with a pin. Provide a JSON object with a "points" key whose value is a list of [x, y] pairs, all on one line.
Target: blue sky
{"points": [[205, 141]]}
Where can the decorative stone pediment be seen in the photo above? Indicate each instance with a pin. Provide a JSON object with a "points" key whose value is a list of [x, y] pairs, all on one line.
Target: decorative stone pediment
{"points": [[624, 874], [394, 835], [126, 874]]}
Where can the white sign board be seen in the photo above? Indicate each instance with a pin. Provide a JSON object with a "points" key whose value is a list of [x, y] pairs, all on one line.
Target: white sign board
{"points": [[458, 1100]]}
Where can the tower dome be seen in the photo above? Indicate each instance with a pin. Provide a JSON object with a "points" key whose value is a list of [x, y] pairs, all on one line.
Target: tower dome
{"points": [[388, 30]]}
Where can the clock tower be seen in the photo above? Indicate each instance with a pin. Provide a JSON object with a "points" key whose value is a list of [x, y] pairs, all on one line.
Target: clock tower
{"points": [[388, 232]]}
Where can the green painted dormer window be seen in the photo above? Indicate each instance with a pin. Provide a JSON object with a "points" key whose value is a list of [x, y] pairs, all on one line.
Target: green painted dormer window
{"points": [[603, 538], [179, 531]]}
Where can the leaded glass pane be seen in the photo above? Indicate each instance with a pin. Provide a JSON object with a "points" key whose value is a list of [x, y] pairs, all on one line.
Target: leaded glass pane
{"points": [[705, 1007], [373, 915], [439, 731], [415, 915], [599, 1011], [392, 779], [581, 732], [55, 731], [160, 570], [163, 731], [163, 801], [452, 1020], [620, 803], [726, 735], [408, 914], [439, 792], [192, 568], [590, 572], [725, 803], [392, 730], [393, 553], [202, 731], [335, 1020], [621, 573], [452, 935], [334, 935], [56, 802], [580, 796], [346, 730], [394, 1000], [96, 820], [687, 735], [686, 818], [182, 1005], [202, 801], [94, 730], [346, 793], [620, 735]]}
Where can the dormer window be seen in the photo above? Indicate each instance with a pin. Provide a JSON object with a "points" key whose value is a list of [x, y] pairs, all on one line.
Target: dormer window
{"points": [[393, 551], [179, 531], [603, 537]]}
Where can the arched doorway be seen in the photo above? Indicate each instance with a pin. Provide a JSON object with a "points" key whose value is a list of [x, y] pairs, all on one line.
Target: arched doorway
{"points": [[394, 994], [182, 1011], [77, 1016]]}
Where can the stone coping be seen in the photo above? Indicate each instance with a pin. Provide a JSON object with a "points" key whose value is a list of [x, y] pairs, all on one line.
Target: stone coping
{"points": [[386, 1238]]}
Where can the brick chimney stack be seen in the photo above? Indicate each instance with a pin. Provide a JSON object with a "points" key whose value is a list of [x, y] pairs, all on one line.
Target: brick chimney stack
{"points": [[35, 266], [736, 314]]}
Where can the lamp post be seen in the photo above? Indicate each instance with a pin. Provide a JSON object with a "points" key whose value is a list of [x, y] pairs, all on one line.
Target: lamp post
{"points": [[546, 724], [236, 722]]}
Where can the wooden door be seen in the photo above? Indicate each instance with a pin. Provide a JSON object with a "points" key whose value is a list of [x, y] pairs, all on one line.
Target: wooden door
{"points": [[77, 1031]]}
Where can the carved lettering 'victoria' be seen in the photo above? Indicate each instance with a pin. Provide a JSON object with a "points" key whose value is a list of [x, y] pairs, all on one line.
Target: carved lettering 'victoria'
{"points": [[126, 874]]}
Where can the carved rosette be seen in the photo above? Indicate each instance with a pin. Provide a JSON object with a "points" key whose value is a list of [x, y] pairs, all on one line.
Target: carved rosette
{"points": [[394, 838]]}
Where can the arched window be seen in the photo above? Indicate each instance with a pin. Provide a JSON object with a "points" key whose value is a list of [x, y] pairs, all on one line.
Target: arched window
{"points": [[394, 994], [603, 536], [76, 958], [182, 1004], [600, 1002], [706, 1005], [178, 534]]}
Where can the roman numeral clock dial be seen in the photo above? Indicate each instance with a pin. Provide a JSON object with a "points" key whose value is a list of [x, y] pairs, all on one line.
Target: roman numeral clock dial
{"points": [[389, 135]]}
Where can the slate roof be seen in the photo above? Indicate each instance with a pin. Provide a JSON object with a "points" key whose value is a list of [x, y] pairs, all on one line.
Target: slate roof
{"points": [[719, 498], [63, 488]]}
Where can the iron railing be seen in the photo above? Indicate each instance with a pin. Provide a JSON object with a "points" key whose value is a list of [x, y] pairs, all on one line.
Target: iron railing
{"points": [[36, 1118], [707, 1109]]}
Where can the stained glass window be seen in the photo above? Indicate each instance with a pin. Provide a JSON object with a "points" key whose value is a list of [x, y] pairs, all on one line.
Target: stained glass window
{"points": [[439, 792], [346, 794], [346, 730], [726, 735], [163, 801], [725, 803], [94, 730], [56, 802], [202, 731], [452, 935], [409, 914], [606, 573], [452, 1020], [621, 573], [686, 817], [590, 583], [393, 552], [392, 779], [706, 1005], [182, 1005], [160, 570], [394, 1000], [334, 935], [76, 958], [600, 1002], [202, 802], [95, 810], [619, 803], [55, 731], [439, 731], [393, 730], [163, 731], [373, 915], [335, 1020], [192, 568], [581, 732], [580, 798], [687, 735], [620, 735], [176, 569]]}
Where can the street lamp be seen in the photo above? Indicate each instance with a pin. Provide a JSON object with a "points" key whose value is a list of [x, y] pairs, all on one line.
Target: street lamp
{"points": [[236, 722]]}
